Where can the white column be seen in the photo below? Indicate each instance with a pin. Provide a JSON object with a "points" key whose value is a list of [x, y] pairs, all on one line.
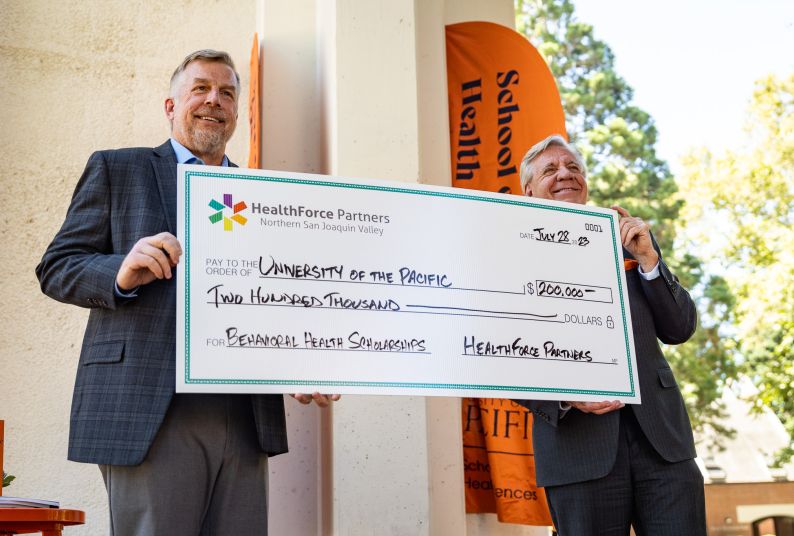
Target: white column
{"points": [[292, 141], [357, 88], [383, 478]]}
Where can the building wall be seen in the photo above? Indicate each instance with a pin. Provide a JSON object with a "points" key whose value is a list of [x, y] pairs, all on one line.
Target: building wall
{"points": [[88, 76], [728, 505], [77, 77]]}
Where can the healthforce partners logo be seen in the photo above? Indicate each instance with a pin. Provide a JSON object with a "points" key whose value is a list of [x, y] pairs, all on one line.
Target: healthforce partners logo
{"points": [[220, 208]]}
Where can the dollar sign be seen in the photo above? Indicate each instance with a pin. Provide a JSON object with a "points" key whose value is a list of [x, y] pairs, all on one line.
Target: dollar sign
{"points": [[530, 290]]}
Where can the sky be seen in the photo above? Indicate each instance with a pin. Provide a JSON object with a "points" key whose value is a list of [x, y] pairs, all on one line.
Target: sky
{"points": [[693, 63]]}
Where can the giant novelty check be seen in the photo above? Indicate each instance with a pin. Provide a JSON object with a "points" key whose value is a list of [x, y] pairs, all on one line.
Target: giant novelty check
{"points": [[301, 283]]}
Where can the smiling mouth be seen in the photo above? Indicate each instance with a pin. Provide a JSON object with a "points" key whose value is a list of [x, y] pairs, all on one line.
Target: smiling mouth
{"points": [[566, 190], [210, 118]]}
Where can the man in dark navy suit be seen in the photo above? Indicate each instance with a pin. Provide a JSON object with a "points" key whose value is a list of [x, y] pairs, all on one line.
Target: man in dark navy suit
{"points": [[172, 463], [606, 466]]}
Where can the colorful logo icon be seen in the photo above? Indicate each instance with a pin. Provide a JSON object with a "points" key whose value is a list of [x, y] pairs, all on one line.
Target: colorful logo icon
{"points": [[219, 208]]}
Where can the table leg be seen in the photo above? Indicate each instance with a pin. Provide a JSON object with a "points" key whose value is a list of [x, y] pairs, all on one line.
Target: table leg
{"points": [[56, 530]]}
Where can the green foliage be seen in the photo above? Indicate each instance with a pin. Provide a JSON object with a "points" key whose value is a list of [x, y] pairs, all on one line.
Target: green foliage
{"points": [[705, 363], [7, 479], [750, 192], [618, 141], [616, 138]]}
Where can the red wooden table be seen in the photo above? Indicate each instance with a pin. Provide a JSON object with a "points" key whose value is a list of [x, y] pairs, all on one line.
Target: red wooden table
{"points": [[47, 521]]}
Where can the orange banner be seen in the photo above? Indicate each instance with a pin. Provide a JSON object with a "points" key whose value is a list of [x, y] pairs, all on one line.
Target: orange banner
{"points": [[502, 100], [254, 126], [499, 464]]}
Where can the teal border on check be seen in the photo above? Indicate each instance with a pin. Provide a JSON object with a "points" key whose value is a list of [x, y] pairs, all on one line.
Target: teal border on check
{"points": [[408, 191]]}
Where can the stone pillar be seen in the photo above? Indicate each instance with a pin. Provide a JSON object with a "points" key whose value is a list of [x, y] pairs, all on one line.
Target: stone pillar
{"points": [[382, 446], [357, 88], [292, 140]]}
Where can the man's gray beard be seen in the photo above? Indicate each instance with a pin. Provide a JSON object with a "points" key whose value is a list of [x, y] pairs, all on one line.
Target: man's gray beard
{"points": [[208, 141]]}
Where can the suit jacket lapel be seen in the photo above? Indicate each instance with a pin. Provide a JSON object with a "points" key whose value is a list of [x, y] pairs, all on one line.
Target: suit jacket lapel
{"points": [[164, 164]]}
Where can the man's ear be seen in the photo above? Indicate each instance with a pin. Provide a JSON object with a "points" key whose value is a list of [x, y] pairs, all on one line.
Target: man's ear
{"points": [[528, 189], [169, 108]]}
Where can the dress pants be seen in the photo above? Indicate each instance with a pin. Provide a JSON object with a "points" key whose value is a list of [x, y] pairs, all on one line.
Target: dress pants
{"points": [[204, 475], [656, 497]]}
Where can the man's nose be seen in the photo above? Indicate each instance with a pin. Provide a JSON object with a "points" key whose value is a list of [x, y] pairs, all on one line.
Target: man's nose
{"points": [[564, 173], [213, 97]]}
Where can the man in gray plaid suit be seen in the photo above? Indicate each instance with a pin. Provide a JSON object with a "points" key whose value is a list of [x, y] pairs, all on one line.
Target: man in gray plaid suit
{"points": [[172, 464], [607, 467]]}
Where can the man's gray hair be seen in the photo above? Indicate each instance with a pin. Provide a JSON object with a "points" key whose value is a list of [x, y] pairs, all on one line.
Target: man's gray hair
{"points": [[527, 169], [206, 54]]}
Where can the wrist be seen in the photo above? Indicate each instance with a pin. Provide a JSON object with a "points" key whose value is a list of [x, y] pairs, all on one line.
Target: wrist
{"points": [[122, 287], [126, 284], [648, 262]]}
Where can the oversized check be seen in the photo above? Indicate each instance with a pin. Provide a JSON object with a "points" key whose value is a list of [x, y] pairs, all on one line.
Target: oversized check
{"points": [[301, 283]]}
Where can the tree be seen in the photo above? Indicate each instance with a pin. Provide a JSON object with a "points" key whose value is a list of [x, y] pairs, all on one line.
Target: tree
{"points": [[618, 141], [750, 192], [616, 138]]}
